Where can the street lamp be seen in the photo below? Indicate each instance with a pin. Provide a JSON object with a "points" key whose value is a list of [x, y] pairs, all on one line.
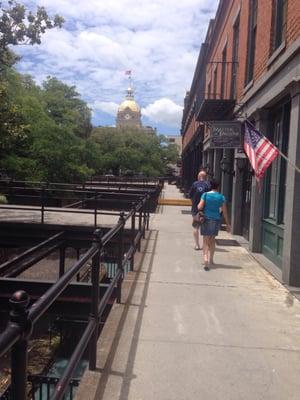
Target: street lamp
{"points": [[241, 163], [225, 166]]}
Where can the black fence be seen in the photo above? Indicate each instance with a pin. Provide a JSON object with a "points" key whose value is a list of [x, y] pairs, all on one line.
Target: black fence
{"points": [[27, 196], [23, 317]]}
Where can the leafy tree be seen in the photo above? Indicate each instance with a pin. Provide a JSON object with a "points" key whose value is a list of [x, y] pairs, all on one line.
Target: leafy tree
{"points": [[64, 106], [20, 26], [47, 147], [132, 151]]}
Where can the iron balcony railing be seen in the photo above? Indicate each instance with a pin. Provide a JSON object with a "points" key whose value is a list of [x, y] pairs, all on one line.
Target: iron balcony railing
{"points": [[218, 97]]}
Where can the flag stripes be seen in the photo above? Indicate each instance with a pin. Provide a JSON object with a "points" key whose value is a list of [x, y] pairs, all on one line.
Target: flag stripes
{"points": [[260, 151]]}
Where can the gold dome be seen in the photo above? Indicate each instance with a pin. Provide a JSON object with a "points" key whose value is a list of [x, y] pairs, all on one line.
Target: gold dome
{"points": [[131, 104]]}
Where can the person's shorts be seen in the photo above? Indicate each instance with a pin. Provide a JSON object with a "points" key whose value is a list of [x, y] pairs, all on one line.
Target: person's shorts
{"points": [[210, 227]]}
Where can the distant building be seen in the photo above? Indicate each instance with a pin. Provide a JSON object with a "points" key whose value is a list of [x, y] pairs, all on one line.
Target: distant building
{"points": [[129, 112], [175, 140]]}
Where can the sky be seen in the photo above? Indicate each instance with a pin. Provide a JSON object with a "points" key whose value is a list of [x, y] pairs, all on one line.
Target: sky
{"points": [[158, 40]]}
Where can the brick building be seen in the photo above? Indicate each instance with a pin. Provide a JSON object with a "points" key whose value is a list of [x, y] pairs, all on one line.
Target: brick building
{"points": [[249, 67]]}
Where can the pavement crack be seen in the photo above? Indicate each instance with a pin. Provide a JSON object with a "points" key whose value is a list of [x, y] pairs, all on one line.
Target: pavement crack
{"points": [[194, 284], [218, 345]]}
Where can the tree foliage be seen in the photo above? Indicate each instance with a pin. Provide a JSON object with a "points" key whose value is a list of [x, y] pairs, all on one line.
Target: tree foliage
{"points": [[45, 140], [19, 26], [132, 151]]}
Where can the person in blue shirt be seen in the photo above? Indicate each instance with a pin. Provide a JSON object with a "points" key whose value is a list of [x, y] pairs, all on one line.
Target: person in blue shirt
{"points": [[197, 189], [213, 205]]}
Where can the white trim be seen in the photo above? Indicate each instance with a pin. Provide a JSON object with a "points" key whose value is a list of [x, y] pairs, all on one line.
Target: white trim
{"points": [[237, 15]]}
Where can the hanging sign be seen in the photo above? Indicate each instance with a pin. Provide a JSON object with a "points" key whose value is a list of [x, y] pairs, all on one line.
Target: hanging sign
{"points": [[225, 135]]}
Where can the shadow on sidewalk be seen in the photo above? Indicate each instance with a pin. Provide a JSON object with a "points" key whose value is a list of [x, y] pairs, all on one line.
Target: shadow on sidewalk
{"points": [[107, 370], [224, 266]]}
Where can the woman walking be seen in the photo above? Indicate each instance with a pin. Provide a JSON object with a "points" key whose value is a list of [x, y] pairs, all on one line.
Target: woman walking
{"points": [[212, 204]]}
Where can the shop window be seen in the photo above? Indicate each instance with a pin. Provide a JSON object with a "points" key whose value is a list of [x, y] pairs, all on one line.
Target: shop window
{"points": [[279, 22], [252, 27]]}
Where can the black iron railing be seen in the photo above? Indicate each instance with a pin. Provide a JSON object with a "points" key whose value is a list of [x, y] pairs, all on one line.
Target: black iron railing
{"points": [[27, 196], [93, 204], [23, 318]]}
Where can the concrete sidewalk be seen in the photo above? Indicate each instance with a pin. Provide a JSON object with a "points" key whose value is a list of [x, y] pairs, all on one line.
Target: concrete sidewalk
{"points": [[183, 333]]}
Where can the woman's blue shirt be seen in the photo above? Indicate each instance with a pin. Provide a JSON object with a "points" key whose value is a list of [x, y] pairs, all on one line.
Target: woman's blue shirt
{"points": [[213, 203]]}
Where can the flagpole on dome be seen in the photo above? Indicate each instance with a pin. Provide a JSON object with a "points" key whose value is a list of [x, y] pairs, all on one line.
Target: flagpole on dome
{"points": [[128, 72], [279, 152]]}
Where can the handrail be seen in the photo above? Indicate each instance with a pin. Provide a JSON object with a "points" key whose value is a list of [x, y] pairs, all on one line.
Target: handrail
{"points": [[100, 191], [22, 256], [44, 302], [22, 319], [63, 383]]}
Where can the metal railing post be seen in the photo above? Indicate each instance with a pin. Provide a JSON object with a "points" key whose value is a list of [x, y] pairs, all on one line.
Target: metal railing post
{"points": [[95, 300], [19, 316], [140, 229], [120, 256], [62, 258], [144, 217], [148, 210], [132, 237], [95, 211], [77, 258], [43, 204]]}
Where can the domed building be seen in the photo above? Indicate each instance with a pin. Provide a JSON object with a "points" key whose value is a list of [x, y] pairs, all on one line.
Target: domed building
{"points": [[129, 112]]}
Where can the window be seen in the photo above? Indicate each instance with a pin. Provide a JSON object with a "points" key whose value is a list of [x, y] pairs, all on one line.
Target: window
{"points": [[279, 22], [223, 71], [209, 90], [215, 82], [276, 174], [251, 40], [235, 49]]}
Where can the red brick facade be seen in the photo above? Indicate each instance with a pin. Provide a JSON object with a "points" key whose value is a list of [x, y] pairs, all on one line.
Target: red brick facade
{"points": [[223, 35], [220, 34]]}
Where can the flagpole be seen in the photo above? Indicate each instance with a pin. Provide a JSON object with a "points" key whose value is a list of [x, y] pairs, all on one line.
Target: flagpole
{"points": [[292, 165], [282, 155]]}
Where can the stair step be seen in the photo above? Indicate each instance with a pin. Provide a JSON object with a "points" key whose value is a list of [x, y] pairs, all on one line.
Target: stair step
{"points": [[174, 202]]}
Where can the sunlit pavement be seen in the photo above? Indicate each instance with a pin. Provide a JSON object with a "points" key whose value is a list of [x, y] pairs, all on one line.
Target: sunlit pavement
{"points": [[184, 333]]}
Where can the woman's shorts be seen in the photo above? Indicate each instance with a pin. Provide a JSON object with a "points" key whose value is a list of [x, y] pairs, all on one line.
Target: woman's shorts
{"points": [[210, 227]]}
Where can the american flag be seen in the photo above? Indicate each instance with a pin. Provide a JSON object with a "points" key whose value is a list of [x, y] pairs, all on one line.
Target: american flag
{"points": [[260, 151]]}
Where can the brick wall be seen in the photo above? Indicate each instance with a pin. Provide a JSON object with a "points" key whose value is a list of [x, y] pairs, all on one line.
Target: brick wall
{"points": [[190, 131], [263, 39], [223, 34]]}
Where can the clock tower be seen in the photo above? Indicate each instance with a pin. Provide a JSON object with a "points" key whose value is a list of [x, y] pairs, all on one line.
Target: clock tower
{"points": [[129, 112]]}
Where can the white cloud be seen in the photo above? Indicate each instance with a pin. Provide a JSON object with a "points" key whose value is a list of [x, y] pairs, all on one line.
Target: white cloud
{"points": [[108, 107], [163, 111], [158, 40]]}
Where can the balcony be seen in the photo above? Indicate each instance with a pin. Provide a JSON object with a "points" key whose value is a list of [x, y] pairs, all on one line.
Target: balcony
{"points": [[218, 102]]}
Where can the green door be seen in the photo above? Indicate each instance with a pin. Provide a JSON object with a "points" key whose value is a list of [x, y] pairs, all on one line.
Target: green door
{"points": [[275, 187]]}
